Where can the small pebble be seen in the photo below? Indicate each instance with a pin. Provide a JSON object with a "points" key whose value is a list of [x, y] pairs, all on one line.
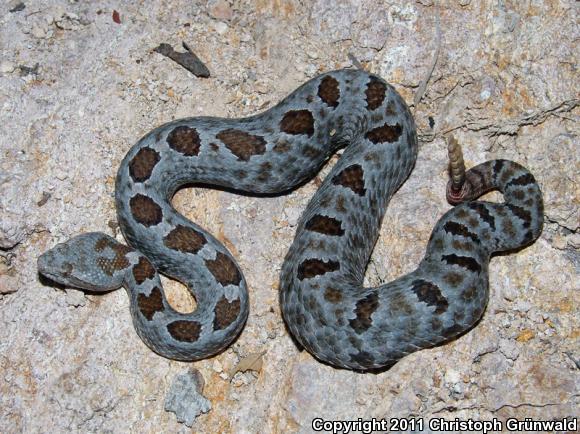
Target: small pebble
{"points": [[221, 10], [311, 70], [16, 6], [292, 215], [484, 95], [43, 198], [509, 292], [220, 27], [61, 175], [509, 349], [312, 54], [261, 88], [217, 366], [452, 376], [185, 397], [7, 67], [4, 268], [522, 306], [38, 32], [75, 298], [559, 242]]}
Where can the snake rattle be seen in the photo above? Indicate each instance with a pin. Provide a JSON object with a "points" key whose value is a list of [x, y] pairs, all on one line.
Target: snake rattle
{"points": [[323, 301]]}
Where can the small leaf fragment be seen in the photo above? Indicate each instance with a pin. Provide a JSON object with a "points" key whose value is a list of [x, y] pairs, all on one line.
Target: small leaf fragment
{"points": [[251, 362]]}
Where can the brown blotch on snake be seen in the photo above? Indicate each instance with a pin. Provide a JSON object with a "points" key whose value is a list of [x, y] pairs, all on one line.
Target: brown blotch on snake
{"points": [[463, 261], [328, 91], [149, 304], [184, 140], [282, 146], [521, 213], [438, 244], [185, 239], [243, 145], [454, 330], [184, 331], [483, 212], [455, 228], [143, 163], [476, 312], [315, 267], [143, 270], [355, 342], [109, 266], [391, 109], [104, 242], [466, 246], [399, 305], [363, 358], [529, 236], [265, 171], [469, 293], [473, 222], [509, 227], [297, 122], [375, 157], [340, 203], [225, 313], [310, 152], [145, 210], [453, 279], [507, 174], [375, 93], [325, 225], [430, 294], [332, 295], [118, 262], [497, 167], [224, 270], [364, 310], [351, 177], [385, 134], [436, 323], [522, 180]]}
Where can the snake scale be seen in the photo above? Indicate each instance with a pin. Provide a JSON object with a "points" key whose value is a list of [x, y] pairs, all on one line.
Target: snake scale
{"points": [[323, 301]]}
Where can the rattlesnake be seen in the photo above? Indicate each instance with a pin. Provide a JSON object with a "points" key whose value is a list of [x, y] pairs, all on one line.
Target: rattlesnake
{"points": [[323, 301]]}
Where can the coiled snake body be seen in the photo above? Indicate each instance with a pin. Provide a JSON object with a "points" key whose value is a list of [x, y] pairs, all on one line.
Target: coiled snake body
{"points": [[323, 301]]}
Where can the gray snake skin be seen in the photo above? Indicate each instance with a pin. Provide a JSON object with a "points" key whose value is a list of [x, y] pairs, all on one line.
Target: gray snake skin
{"points": [[323, 301]]}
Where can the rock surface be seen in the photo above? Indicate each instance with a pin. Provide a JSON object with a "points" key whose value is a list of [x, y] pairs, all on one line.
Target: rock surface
{"points": [[185, 397], [80, 84]]}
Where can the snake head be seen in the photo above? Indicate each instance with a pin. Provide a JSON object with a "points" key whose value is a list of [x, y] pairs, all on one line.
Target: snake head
{"points": [[91, 261]]}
